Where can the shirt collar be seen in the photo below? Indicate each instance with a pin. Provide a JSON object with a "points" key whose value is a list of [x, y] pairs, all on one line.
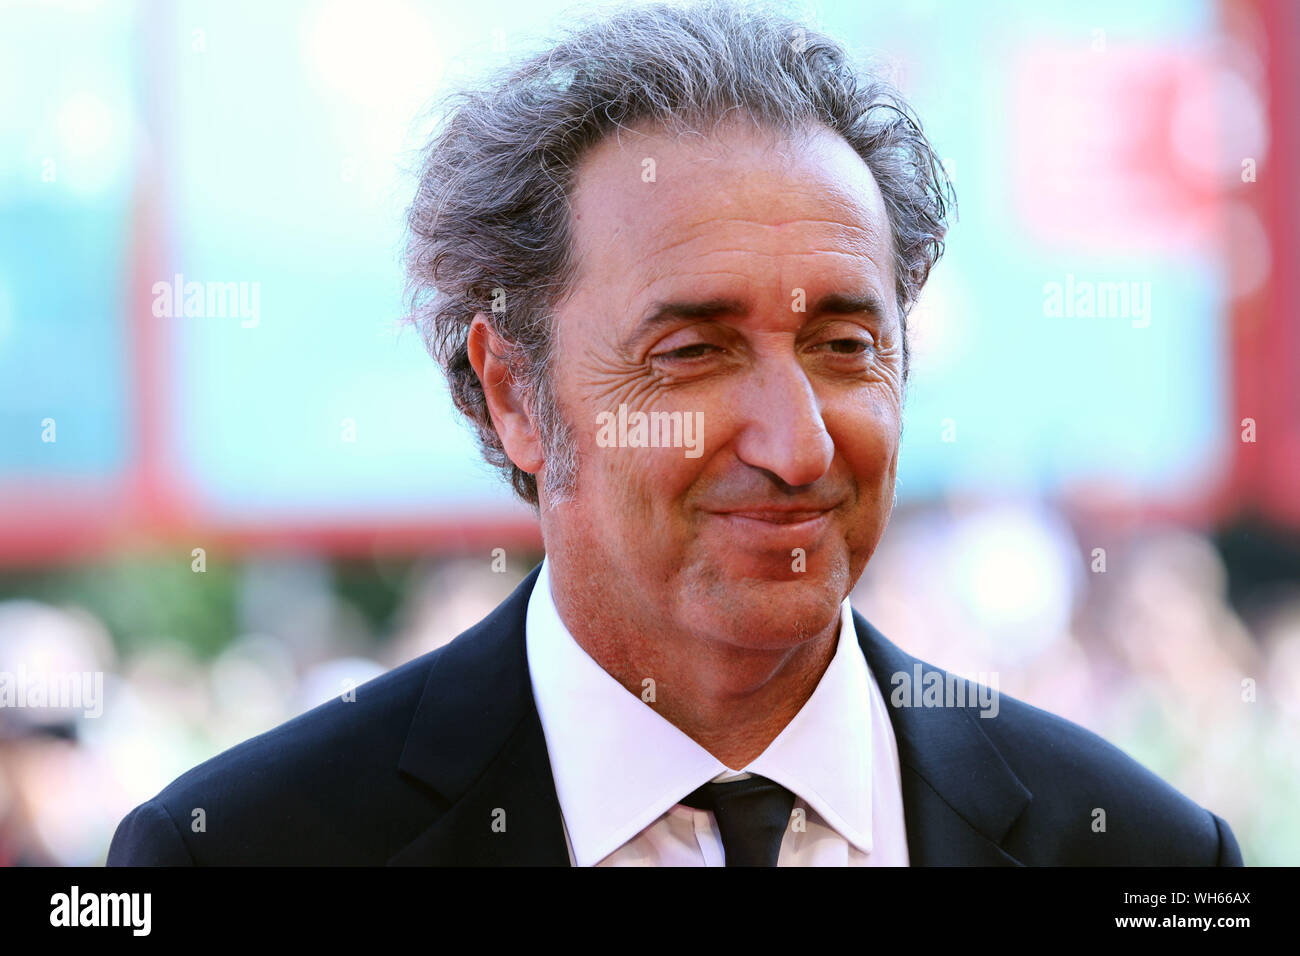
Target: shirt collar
{"points": [[616, 775]]}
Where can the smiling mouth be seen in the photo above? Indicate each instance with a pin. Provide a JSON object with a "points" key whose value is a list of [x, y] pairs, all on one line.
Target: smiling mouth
{"points": [[769, 534], [777, 517]]}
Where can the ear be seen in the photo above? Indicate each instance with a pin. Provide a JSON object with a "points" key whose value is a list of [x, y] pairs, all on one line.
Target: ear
{"points": [[505, 397]]}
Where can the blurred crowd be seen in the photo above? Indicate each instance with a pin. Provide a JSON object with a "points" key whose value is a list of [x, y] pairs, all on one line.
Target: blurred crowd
{"points": [[1130, 634]]}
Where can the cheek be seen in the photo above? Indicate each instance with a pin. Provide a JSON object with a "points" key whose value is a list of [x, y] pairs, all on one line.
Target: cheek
{"points": [[646, 456], [634, 484], [867, 437]]}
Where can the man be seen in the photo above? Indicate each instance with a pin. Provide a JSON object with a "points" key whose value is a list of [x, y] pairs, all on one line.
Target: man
{"points": [[667, 268]]}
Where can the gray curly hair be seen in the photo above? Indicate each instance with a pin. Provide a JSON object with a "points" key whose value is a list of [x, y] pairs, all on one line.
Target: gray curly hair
{"points": [[489, 229]]}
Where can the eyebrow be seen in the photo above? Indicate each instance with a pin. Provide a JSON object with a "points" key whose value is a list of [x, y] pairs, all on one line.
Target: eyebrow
{"points": [[833, 303]]}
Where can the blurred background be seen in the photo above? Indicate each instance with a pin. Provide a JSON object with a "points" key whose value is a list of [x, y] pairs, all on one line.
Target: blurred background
{"points": [[232, 485]]}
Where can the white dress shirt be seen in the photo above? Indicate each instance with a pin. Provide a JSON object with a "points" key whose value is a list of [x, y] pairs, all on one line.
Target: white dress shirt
{"points": [[620, 768]]}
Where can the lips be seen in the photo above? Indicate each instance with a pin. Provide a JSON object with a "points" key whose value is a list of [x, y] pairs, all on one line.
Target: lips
{"points": [[775, 529], [777, 516]]}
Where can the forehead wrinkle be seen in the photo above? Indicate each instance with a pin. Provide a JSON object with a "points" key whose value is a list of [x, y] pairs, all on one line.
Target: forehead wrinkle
{"points": [[860, 262], [869, 234], [655, 280], [657, 272], [856, 263]]}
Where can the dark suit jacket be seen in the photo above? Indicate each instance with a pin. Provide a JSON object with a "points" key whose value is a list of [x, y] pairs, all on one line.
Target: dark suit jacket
{"points": [[416, 768]]}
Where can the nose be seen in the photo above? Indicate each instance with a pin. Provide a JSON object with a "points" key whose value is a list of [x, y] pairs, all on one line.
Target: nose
{"points": [[782, 431]]}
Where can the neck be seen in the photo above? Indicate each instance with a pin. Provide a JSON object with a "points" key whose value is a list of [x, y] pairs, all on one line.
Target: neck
{"points": [[731, 700]]}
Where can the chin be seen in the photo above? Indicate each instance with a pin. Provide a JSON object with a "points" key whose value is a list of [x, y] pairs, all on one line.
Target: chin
{"points": [[775, 614]]}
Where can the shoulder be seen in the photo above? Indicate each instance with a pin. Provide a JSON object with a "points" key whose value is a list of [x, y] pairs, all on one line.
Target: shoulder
{"points": [[320, 787], [354, 780], [1092, 803], [1078, 799]]}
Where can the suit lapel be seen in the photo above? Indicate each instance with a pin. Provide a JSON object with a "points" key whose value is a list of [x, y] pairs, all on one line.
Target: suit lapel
{"points": [[959, 796], [476, 738]]}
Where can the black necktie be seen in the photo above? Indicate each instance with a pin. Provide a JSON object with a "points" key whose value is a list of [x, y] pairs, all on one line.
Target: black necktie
{"points": [[752, 816]]}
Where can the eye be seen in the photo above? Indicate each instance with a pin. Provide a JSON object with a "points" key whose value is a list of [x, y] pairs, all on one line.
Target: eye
{"points": [[686, 352], [848, 346]]}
